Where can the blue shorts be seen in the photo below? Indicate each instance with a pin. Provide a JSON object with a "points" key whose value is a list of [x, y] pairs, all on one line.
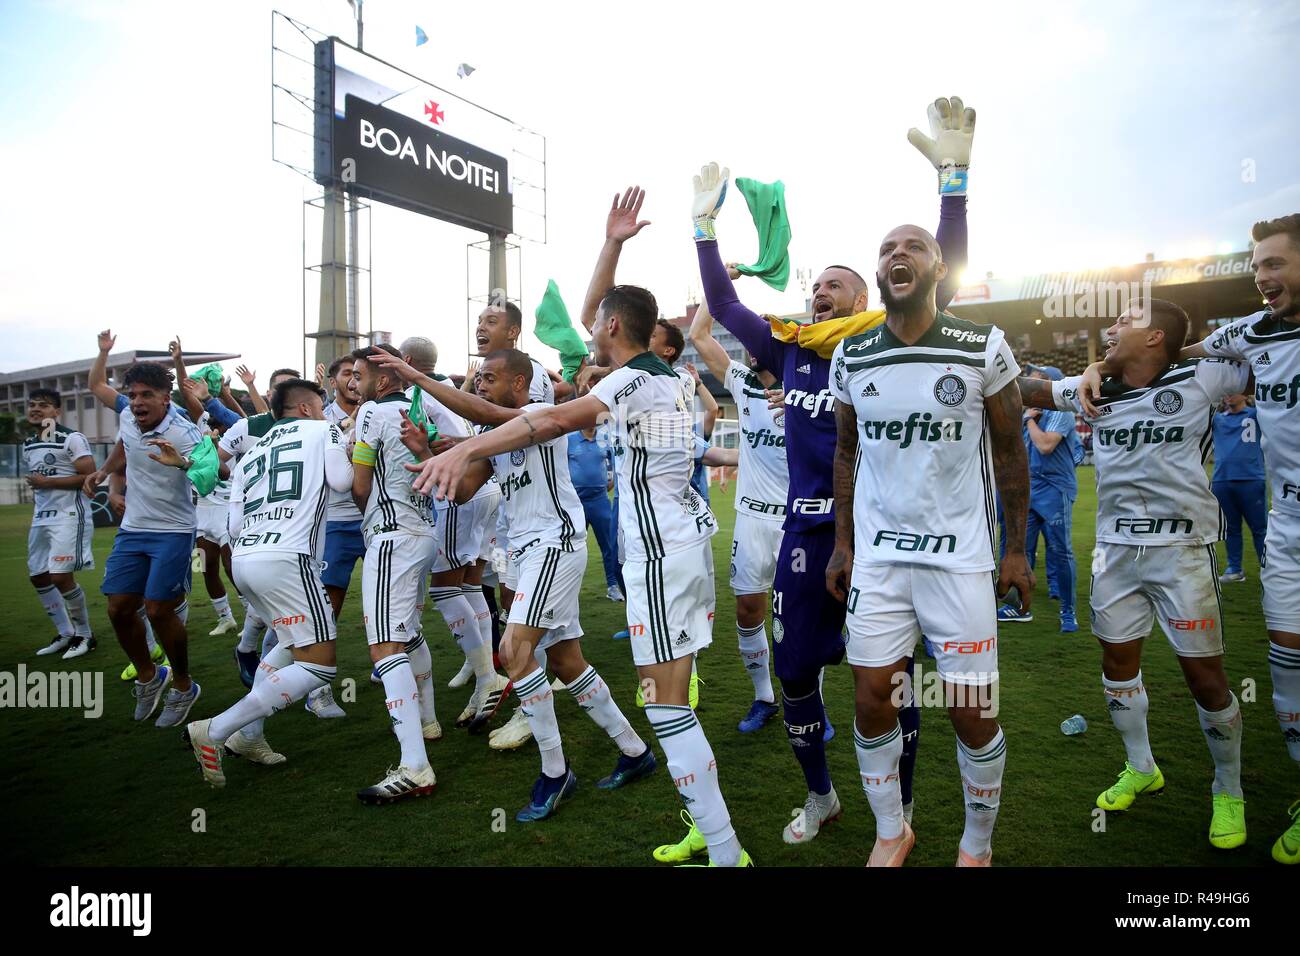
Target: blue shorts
{"points": [[344, 544], [808, 623], [155, 564]]}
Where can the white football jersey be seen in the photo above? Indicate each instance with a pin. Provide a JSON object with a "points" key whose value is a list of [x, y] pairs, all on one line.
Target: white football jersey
{"points": [[1271, 347], [54, 454], [281, 488], [659, 513], [763, 476], [158, 497], [243, 434], [394, 506], [1150, 446], [923, 490], [341, 506], [537, 495]]}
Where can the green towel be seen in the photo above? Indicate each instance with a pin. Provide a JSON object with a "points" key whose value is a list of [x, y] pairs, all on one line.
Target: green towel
{"points": [[210, 374], [767, 205], [420, 418], [204, 466], [555, 328]]}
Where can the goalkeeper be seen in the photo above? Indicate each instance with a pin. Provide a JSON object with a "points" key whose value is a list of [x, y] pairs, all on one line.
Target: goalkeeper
{"points": [[807, 618]]}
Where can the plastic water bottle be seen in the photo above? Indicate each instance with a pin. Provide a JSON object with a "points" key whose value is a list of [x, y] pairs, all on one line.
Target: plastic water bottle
{"points": [[1074, 725]]}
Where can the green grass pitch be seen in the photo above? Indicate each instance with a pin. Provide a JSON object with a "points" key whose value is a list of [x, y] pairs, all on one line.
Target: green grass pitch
{"points": [[112, 792]]}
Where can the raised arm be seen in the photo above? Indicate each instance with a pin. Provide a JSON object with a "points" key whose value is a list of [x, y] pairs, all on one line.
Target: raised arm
{"points": [[1011, 472], [228, 399], [715, 356], [707, 402], [249, 378], [754, 332], [839, 570], [440, 476], [620, 225], [458, 402], [97, 381], [948, 148]]}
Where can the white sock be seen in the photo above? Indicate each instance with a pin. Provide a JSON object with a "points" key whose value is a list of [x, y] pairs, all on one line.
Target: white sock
{"points": [[149, 639], [593, 696], [1223, 737], [754, 655], [404, 709], [52, 601], [878, 767], [1127, 702], [538, 703], [459, 617], [278, 657], [482, 613], [297, 680], [252, 632], [695, 772], [183, 611], [981, 788], [75, 600], [1284, 666], [222, 606], [422, 667]]}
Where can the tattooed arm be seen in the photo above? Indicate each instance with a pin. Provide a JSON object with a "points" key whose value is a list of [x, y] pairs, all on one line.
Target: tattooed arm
{"points": [[1011, 471], [1035, 392], [839, 571]]}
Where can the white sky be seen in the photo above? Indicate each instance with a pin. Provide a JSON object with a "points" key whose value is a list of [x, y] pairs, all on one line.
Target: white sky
{"points": [[141, 195]]}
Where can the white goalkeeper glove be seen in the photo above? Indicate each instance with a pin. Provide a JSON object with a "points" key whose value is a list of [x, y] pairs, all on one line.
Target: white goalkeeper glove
{"points": [[952, 130], [710, 191]]}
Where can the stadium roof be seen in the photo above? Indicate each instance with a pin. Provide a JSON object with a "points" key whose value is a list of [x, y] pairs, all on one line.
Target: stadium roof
{"points": [[115, 360], [1208, 288]]}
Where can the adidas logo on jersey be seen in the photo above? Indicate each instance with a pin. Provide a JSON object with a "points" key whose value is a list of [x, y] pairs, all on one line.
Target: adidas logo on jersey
{"points": [[804, 369], [870, 391], [1263, 360]]}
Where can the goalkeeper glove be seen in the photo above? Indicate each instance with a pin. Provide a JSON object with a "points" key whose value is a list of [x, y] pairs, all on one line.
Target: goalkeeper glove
{"points": [[952, 130], [710, 191]]}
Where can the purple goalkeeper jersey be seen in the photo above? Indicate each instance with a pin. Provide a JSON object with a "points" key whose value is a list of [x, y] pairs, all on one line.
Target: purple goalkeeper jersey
{"points": [[809, 406]]}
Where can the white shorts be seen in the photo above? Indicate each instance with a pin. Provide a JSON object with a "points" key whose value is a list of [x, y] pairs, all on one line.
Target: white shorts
{"points": [[1177, 583], [668, 602], [753, 554], [891, 605], [60, 548], [213, 521], [285, 589], [490, 528], [394, 578], [460, 532], [550, 581], [1280, 575]]}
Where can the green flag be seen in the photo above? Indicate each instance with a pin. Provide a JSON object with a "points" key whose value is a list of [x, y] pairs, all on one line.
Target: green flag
{"points": [[555, 328], [204, 466], [766, 203], [420, 418], [211, 376]]}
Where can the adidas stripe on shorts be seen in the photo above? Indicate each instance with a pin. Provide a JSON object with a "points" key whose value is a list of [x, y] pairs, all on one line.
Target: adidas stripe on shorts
{"points": [[669, 605], [461, 529], [285, 589], [393, 585], [547, 596]]}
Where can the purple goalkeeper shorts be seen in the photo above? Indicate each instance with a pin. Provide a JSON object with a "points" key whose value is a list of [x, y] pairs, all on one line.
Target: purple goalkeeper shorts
{"points": [[807, 622]]}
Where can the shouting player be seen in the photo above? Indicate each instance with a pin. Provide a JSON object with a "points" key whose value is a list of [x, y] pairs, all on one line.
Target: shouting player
{"points": [[1157, 522], [808, 621], [920, 403]]}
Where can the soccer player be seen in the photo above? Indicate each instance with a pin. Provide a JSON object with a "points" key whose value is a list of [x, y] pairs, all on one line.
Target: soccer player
{"points": [[277, 510], [1269, 341], [58, 460], [920, 403], [344, 543], [549, 544], [456, 585], [807, 620], [762, 486], [150, 561], [499, 327], [1239, 481], [666, 529], [1157, 522], [401, 544]]}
